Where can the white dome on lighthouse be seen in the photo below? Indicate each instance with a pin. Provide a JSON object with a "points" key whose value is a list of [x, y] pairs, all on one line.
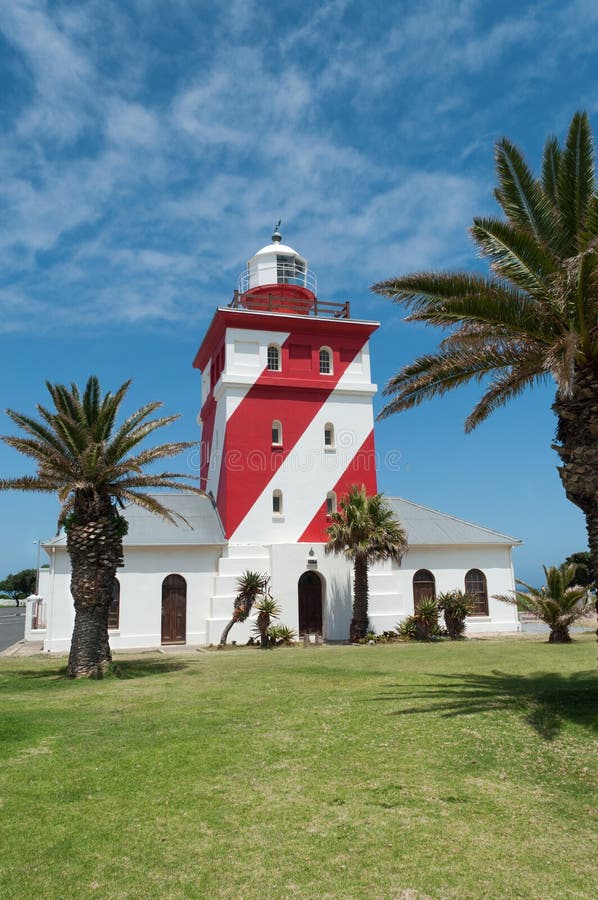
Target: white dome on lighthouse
{"points": [[277, 264]]}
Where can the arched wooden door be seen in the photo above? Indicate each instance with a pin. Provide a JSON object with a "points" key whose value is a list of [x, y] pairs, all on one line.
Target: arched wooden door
{"points": [[174, 610], [310, 603], [424, 585]]}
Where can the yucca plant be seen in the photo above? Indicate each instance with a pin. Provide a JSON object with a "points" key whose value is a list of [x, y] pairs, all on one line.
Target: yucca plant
{"points": [[267, 609], [455, 606], [534, 318], [559, 603], [87, 460], [250, 586], [281, 634], [426, 619]]}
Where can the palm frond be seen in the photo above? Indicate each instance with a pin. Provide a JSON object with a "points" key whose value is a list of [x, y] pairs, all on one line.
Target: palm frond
{"points": [[433, 375], [519, 193], [515, 254], [575, 185], [504, 387], [551, 161]]}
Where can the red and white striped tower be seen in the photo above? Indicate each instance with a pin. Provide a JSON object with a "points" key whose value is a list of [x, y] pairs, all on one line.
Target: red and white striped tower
{"points": [[287, 419]]}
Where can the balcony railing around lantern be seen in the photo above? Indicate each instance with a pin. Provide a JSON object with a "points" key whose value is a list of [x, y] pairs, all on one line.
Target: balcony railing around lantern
{"points": [[327, 309], [277, 273]]}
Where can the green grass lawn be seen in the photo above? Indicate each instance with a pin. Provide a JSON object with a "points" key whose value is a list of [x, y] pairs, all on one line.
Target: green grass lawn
{"points": [[453, 770]]}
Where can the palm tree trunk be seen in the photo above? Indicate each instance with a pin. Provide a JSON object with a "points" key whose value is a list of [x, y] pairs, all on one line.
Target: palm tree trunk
{"points": [[95, 549], [577, 437], [359, 622], [226, 631], [559, 636]]}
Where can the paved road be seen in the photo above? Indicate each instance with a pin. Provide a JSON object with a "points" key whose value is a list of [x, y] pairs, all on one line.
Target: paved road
{"points": [[12, 625]]}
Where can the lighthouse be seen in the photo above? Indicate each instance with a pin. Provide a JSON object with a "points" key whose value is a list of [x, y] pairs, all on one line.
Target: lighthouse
{"points": [[286, 406], [287, 428]]}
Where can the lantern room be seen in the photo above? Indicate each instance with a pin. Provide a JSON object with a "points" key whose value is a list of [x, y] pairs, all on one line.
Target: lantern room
{"points": [[277, 278]]}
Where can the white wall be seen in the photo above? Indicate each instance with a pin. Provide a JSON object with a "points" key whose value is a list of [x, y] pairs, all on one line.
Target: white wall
{"points": [[140, 596], [449, 566], [391, 590]]}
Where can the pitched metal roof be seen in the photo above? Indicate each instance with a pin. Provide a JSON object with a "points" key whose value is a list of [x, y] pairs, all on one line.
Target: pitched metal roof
{"points": [[148, 530], [427, 526]]}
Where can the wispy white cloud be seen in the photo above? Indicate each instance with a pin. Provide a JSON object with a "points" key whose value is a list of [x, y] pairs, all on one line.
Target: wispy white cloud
{"points": [[135, 180]]}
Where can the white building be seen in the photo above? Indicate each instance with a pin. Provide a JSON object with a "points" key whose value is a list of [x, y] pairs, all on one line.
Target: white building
{"points": [[287, 428]]}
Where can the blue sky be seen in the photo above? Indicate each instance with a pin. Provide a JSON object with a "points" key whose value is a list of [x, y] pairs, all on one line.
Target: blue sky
{"points": [[148, 148]]}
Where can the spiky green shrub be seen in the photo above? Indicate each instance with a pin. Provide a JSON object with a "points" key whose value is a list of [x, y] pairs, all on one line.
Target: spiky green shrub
{"points": [[281, 635], [423, 624], [456, 606]]}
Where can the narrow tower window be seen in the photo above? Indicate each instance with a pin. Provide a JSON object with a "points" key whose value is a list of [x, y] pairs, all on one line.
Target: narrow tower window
{"points": [[274, 358], [330, 503], [325, 361], [276, 433], [329, 434], [277, 503]]}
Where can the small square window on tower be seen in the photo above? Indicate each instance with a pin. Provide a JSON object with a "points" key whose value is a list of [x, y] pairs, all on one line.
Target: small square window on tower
{"points": [[330, 503], [329, 434], [277, 503]]}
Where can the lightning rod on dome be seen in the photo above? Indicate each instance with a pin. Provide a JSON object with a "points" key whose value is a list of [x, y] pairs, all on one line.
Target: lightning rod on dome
{"points": [[277, 236]]}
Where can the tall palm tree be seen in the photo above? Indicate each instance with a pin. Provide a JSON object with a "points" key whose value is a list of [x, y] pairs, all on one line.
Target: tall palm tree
{"points": [[250, 586], [83, 457], [365, 531], [535, 317], [559, 603]]}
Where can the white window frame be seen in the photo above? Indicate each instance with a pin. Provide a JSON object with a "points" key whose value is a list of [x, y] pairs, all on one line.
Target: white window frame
{"points": [[277, 426], [278, 362], [329, 364]]}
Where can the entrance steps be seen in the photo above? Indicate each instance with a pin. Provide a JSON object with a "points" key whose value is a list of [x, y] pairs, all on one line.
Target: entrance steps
{"points": [[236, 559]]}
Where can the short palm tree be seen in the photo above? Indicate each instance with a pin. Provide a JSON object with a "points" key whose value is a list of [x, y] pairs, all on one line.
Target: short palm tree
{"points": [[365, 531], [250, 586], [559, 603], [535, 317], [83, 457]]}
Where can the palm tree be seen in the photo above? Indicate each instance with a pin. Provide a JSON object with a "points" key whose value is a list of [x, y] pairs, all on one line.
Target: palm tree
{"points": [[559, 603], [250, 586], [365, 531], [535, 317], [84, 458]]}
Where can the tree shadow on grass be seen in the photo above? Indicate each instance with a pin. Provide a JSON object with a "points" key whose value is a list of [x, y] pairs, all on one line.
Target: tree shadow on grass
{"points": [[121, 669], [142, 668], [546, 700]]}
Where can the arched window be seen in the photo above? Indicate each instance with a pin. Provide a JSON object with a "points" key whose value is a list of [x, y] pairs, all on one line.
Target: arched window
{"points": [[276, 433], [475, 585], [274, 358], [424, 585], [325, 361], [329, 434], [114, 611], [330, 503], [277, 503]]}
